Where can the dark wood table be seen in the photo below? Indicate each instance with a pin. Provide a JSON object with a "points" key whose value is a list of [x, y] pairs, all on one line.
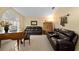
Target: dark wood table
{"points": [[13, 36]]}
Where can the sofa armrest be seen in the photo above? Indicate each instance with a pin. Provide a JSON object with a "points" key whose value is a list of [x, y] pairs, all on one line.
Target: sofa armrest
{"points": [[75, 39]]}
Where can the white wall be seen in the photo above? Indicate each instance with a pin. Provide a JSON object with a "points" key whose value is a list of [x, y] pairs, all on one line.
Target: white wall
{"points": [[39, 20], [73, 18]]}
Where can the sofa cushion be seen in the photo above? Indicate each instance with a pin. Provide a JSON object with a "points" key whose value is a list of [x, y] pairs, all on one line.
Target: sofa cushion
{"points": [[62, 36], [68, 33], [53, 34]]}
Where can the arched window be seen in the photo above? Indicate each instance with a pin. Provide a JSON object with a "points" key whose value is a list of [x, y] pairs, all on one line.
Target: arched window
{"points": [[11, 17]]}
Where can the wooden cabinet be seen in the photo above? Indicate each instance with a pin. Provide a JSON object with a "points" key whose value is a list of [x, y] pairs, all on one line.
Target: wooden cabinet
{"points": [[48, 26]]}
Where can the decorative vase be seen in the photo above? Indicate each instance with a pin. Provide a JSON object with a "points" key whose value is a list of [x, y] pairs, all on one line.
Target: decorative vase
{"points": [[6, 28]]}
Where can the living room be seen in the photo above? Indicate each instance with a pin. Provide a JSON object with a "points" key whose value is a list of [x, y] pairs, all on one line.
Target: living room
{"points": [[19, 18]]}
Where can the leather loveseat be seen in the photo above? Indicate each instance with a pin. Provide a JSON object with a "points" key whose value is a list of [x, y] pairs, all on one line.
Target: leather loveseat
{"points": [[34, 30], [63, 39]]}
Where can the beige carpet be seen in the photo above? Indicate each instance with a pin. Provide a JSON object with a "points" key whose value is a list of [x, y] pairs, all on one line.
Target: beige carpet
{"points": [[38, 43]]}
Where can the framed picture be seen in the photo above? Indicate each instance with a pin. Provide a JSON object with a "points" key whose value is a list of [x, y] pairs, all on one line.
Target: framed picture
{"points": [[63, 21], [33, 22]]}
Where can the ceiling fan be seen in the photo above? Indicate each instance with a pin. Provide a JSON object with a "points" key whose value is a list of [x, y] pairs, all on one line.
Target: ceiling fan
{"points": [[53, 8]]}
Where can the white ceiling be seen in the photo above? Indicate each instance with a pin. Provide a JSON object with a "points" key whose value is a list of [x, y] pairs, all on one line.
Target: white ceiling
{"points": [[34, 11]]}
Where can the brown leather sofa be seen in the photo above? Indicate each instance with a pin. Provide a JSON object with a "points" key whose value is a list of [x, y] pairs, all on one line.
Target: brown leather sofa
{"points": [[63, 40]]}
